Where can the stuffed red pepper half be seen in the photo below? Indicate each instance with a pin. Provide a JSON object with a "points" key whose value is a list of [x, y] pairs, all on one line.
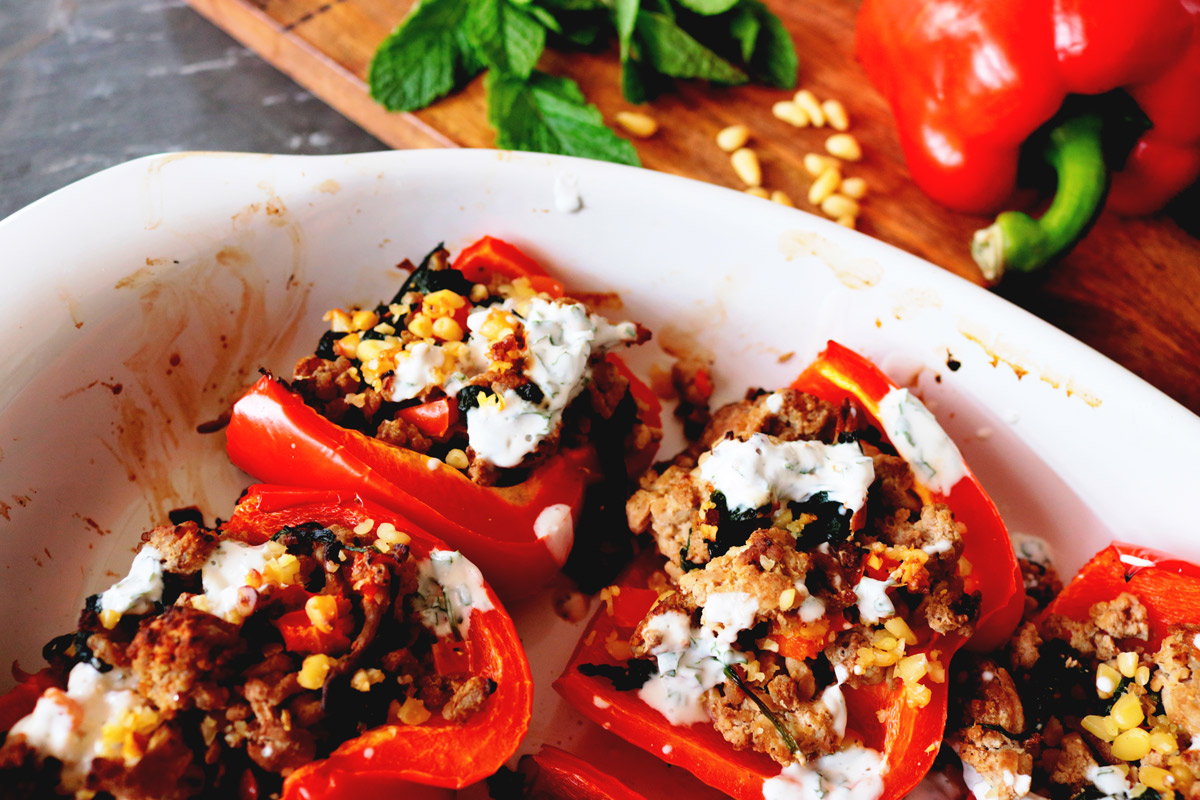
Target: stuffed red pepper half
{"points": [[310, 648], [827, 552], [1098, 692], [480, 404]]}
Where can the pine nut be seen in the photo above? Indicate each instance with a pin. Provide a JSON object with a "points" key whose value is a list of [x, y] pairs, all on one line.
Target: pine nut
{"points": [[733, 137], [854, 187], [835, 113], [844, 146], [824, 186], [790, 113], [782, 198], [815, 163], [758, 191], [745, 164], [636, 124], [838, 205], [812, 106]]}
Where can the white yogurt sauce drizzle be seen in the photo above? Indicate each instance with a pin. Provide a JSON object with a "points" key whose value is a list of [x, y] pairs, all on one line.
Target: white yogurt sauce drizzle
{"points": [[225, 573], [561, 338], [452, 588], [855, 773], [920, 440], [555, 527], [763, 470], [138, 591], [692, 660], [874, 605], [70, 726]]}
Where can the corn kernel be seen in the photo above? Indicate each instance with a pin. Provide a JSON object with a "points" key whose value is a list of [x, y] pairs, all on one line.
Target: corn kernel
{"points": [[826, 184], [937, 672], [1127, 663], [347, 345], [1103, 728], [447, 328], [363, 320], [442, 303], [786, 598], [899, 628], [420, 326], [912, 668], [745, 164], [791, 113], [479, 293], [758, 191], [636, 124], [283, 570], [457, 458], [838, 205], [1142, 675], [835, 114], [887, 643], [1156, 778], [364, 527], [1183, 777], [339, 321], [413, 712], [1127, 712], [886, 658], [917, 695], [322, 611], [314, 671], [848, 221], [1132, 745], [808, 102], [844, 146], [782, 198], [1107, 680], [854, 187], [364, 679], [815, 163], [1164, 742], [110, 618], [733, 138], [371, 349]]}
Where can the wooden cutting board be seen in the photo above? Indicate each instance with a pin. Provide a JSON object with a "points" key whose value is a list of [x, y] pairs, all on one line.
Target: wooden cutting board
{"points": [[1131, 290]]}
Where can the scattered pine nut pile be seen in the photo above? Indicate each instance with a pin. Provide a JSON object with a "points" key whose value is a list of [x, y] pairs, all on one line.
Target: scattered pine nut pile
{"points": [[838, 197]]}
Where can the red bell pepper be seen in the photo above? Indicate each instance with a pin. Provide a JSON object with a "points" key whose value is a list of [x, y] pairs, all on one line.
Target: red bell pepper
{"points": [[970, 81], [1168, 587], [908, 737], [838, 374], [390, 759], [275, 437], [19, 701], [489, 255], [300, 635], [434, 418], [554, 774]]}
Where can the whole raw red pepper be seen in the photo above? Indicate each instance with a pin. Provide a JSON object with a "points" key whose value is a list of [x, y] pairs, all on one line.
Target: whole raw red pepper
{"points": [[970, 81], [403, 760], [1168, 587], [908, 737], [275, 437]]}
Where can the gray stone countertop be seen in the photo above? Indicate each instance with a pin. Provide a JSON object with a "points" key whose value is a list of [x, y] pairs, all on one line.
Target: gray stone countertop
{"points": [[86, 84]]}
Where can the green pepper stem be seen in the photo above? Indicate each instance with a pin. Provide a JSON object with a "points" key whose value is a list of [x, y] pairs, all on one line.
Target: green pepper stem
{"points": [[1016, 241]]}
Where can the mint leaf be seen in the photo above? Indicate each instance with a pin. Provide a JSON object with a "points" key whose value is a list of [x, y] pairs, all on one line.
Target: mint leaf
{"points": [[672, 51], [744, 27], [625, 14], [708, 7], [506, 38], [774, 61], [426, 58], [548, 114]]}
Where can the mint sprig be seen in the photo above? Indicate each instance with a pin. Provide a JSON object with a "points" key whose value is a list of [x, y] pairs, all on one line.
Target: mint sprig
{"points": [[442, 44]]}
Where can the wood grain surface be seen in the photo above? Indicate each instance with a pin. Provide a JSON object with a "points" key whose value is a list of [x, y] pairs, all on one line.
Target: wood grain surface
{"points": [[1131, 290]]}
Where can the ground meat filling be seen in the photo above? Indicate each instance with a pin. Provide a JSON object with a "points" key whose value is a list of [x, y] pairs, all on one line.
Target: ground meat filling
{"points": [[1080, 709], [491, 351], [314, 638], [795, 598]]}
